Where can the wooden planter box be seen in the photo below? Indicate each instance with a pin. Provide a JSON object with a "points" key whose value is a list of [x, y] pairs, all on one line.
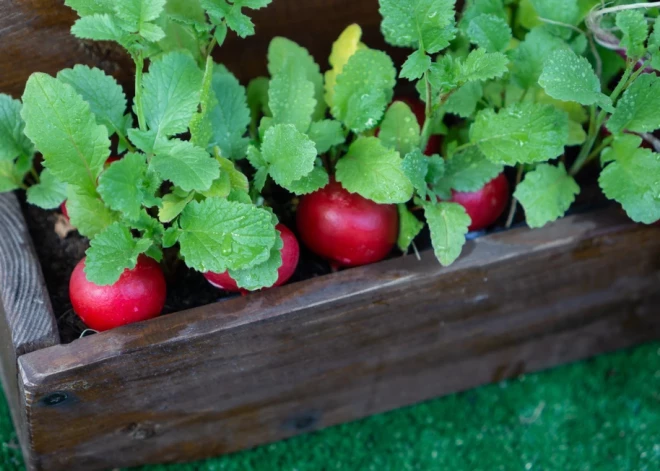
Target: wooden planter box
{"points": [[252, 370]]}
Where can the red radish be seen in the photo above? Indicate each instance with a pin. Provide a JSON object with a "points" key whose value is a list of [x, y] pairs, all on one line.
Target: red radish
{"points": [[484, 206], [137, 296], [419, 108], [346, 228], [106, 165], [290, 255]]}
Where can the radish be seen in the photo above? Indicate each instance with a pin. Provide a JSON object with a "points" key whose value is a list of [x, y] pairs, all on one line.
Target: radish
{"points": [[346, 228], [484, 206], [290, 255], [137, 296]]}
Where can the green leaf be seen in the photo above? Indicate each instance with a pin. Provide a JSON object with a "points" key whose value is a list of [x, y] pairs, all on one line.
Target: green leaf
{"points": [[173, 204], [143, 140], [317, 179], [291, 97], [638, 110], [137, 12], [256, 159], [201, 128], [100, 28], [632, 24], [257, 98], [218, 235], [281, 51], [123, 185], [400, 130], [531, 55], [263, 275], [105, 97], [326, 134], [568, 77], [463, 102], [363, 90], [288, 154], [476, 8], [415, 166], [654, 45], [490, 32], [632, 178], [374, 172], [171, 93], [231, 116], [111, 252], [91, 7], [546, 193], [239, 23], [482, 65], [562, 11], [409, 228], [49, 193], [416, 65], [576, 134], [187, 166], [423, 24], [65, 131], [236, 178], [87, 212], [9, 180], [171, 237], [448, 223], [470, 170], [13, 141], [521, 133]]}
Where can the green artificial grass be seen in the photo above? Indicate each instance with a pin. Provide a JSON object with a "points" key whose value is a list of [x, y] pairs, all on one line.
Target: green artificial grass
{"points": [[601, 414]]}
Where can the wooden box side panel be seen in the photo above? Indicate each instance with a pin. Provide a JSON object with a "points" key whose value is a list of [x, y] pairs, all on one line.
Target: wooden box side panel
{"points": [[313, 354], [26, 319], [26, 306], [35, 37]]}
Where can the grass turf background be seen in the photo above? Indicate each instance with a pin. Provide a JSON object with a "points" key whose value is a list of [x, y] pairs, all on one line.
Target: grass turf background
{"points": [[601, 414]]}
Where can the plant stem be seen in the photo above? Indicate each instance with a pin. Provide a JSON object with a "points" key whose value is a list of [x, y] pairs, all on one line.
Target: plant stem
{"points": [[514, 201], [34, 173], [426, 129], [139, 110], [124, 140], [595, 125]]}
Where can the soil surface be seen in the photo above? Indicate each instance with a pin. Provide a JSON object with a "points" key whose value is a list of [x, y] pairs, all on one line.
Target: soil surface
{"points": [[187, 288]]}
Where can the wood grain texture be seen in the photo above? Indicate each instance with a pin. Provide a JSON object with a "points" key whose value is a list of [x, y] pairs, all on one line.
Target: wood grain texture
{"points": [[333, 349], [35, 38], [26, 319]]}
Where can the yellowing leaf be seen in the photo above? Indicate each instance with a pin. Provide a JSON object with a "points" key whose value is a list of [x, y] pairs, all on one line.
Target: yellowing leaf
{"points": [[343, 48]]}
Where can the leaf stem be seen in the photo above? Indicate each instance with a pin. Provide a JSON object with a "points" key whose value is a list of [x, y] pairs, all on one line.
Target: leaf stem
{"points": [[34, 173], [139, 109], [426, 129], [514, 200], [595, 125]]}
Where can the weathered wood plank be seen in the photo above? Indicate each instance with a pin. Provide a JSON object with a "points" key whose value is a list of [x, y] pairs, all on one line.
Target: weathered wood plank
{"points": [[252, 370], [35, 37], [26, 319]]}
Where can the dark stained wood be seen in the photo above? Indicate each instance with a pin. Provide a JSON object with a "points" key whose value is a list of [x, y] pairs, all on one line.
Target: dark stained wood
{"points": [[35, 37], [26, 319], [332, 349]]}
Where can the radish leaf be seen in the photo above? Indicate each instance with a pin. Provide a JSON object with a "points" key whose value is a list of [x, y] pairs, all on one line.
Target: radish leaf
{"points": [[111, 252], [400, 129], [364, 89], [288, 155], [65, 131], [263, 275], [409, 228], [638, 110], [546, 193], [184, 164], [521, 133], [49, 193], [448, 223], [632, 177], [374, 172], [217, 235], [490, 32]]}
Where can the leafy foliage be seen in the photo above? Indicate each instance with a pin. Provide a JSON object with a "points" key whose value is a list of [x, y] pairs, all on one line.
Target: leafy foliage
{"points": [[374, 172], [448, 223], [546, 193]]}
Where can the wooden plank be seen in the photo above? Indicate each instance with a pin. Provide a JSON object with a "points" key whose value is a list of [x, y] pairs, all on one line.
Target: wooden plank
{"points": [[27, 322], [35, 37], [333, 349]]}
